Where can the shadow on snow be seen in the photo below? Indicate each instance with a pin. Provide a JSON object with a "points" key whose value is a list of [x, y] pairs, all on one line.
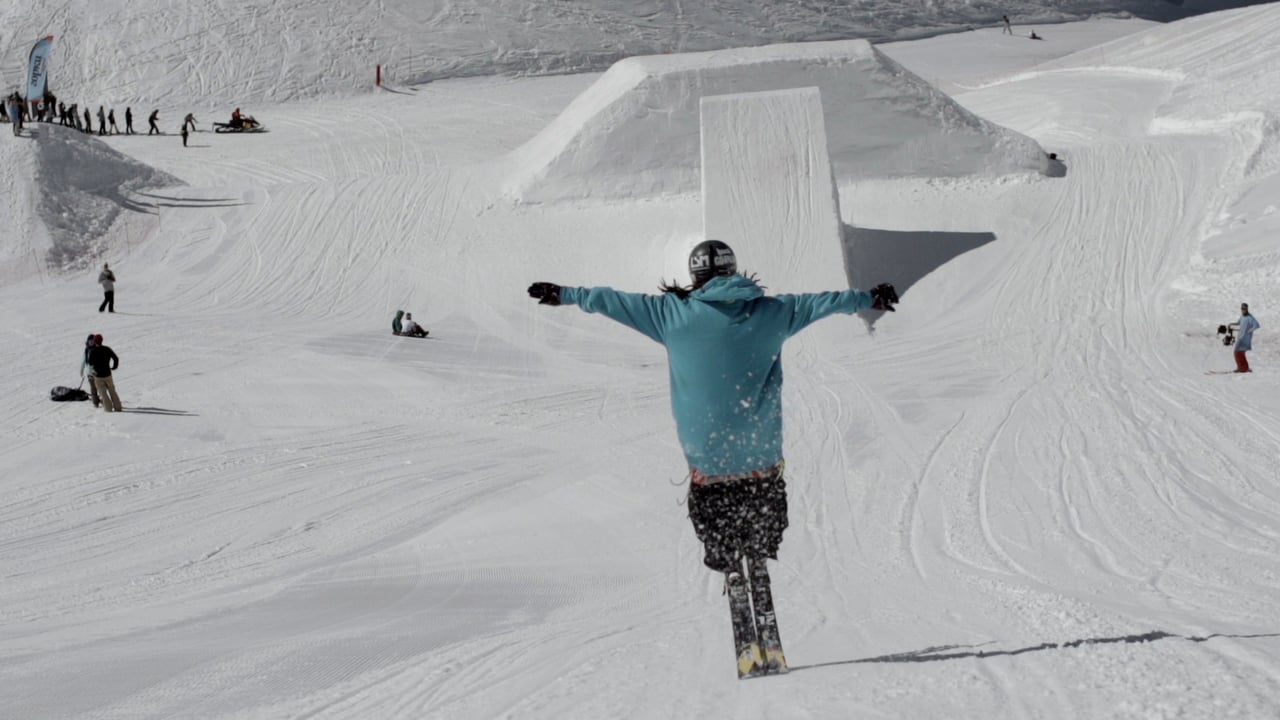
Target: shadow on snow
{"points": [[944, 652], [159, 411]]}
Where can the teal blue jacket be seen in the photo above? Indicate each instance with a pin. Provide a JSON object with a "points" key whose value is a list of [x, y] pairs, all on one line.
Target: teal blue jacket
{"points": [[724, 351]]}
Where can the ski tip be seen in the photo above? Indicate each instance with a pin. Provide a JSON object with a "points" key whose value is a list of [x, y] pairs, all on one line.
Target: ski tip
{"points": [[750, 661], [753, 663], [775, 662]]}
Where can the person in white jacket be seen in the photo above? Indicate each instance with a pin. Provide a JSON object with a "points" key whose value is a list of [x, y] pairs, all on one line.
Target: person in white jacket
{"points": [[411, 327], [107, 280]]}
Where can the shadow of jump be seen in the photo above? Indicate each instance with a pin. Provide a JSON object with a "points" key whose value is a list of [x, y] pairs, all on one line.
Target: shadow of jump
{"points": [[900, 257], [175, 198], [159, 411], [945, 652]]}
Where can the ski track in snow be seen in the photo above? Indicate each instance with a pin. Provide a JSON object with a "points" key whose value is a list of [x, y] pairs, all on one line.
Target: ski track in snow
{"points": [[1018, 497]]}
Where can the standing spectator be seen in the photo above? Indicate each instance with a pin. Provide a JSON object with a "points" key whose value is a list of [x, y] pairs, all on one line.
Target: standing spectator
{"points": [[184, 134], [104, 360], [151, 120], [14, 109], [88, 121], [14, 113], [107, 280], [62, 114], [111, 118], [102, 121], [86, 367], [1244, 343], [75, 116], [1008, 28], [190, 119], [8, 112], [128, 121]]}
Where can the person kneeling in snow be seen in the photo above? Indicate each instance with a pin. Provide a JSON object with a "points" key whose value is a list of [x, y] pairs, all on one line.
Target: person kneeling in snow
{"points": [[724, 340]]}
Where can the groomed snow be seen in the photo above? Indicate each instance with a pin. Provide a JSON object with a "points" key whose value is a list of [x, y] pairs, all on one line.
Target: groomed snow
{"points": [[1021, 496]]}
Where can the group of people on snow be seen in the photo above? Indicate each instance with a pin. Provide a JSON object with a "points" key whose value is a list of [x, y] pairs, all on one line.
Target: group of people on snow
{"points": [[51, 110], [99, 361], [1008, 28], [404, 324]]}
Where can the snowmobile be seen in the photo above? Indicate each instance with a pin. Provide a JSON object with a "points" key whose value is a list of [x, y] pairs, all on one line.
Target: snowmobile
{"points": [[245, 124]]}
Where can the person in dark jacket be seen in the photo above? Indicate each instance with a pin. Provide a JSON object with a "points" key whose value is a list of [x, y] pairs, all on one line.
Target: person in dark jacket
{"points": [[102, 120], [128, 121], [151, 120], [86, 370], [88, 121], [111, 118], [724, 338], [103, 360]]}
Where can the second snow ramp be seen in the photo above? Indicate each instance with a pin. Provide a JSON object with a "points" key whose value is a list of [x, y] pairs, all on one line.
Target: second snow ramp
{"points": [[635, 131]]}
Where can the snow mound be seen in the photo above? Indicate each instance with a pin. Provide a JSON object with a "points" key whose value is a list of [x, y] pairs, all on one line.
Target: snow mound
{"points": [[635, 131], [83, 186]]}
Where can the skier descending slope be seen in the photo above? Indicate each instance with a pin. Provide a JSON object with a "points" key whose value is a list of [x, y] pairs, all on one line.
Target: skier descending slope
{"points": [[724, 340]]}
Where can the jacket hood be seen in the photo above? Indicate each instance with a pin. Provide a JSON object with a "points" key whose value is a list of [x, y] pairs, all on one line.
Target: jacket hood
{"points": [[735, 288]]}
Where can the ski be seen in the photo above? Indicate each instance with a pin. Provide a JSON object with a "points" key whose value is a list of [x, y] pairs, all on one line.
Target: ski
{"points": [[766, 622], [746, 645]]}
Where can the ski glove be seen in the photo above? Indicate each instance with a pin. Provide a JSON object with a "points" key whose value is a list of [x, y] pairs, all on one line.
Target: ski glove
{"points": [[545, 293], [884, 297]]}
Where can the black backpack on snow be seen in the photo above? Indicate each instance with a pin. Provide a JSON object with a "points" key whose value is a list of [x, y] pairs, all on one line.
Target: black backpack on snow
{"points": [[64, 394]]}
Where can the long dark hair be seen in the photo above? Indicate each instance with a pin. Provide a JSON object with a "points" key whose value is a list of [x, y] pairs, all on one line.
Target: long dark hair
{"points": [[678, 290], [682, 292]]}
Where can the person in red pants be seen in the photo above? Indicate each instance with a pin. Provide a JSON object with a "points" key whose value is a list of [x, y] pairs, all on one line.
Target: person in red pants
{"points": [[1244, 339]]}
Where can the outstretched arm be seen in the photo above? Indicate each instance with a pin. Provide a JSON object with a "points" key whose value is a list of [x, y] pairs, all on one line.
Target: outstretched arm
{"points": [[635, 310], [811, 307]]}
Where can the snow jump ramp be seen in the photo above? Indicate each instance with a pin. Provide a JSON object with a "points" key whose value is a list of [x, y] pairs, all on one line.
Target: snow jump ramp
{"points": [[635, 131], [767, 186]]}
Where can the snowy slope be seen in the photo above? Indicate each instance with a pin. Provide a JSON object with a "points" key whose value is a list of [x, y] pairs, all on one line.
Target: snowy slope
{"points": [[214, 54], [1021, 497]]}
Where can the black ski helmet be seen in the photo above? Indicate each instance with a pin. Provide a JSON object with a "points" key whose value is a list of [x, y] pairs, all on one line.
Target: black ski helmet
{"points": [[710, 258]]}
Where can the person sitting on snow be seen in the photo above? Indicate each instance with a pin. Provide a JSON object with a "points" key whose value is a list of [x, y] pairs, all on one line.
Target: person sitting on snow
{"points": [[411, 328], [396, 327]]}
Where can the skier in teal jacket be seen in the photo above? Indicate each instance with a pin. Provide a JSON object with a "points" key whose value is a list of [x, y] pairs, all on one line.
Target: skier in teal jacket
{"points": [[724, 340]]}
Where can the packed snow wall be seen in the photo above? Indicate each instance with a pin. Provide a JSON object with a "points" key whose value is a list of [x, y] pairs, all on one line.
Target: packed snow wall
{"points": [[767, 188], [635, 131]]}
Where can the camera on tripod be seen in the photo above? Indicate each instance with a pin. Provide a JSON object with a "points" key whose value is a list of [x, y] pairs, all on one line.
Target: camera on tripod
{"points": [[1228, 333]]}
